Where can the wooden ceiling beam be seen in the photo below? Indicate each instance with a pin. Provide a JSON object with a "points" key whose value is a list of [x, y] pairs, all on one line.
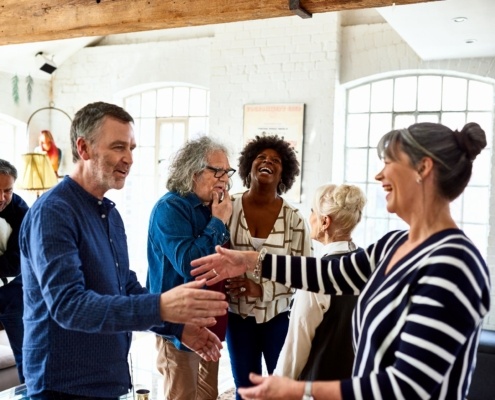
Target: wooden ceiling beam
{"points": [[24, 21]]}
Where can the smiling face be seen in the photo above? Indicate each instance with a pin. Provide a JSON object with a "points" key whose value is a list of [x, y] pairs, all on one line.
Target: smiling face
{"points": [[398, 179], [110, 156], [267, 167], [205, 182]]}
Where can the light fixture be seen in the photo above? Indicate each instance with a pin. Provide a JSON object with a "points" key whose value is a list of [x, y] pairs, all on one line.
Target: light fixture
{"points": [[459, 19], [38, 173], [44, 63]]}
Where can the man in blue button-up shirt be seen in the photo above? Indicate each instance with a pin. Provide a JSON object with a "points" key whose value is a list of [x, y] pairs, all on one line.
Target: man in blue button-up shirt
{"points": [[81, 299]]}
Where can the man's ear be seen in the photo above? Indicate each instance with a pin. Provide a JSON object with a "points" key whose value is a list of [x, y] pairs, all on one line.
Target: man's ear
{"points": [[83, 148]]}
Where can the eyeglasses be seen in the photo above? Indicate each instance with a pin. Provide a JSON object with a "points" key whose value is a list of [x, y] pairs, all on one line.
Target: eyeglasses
{"points": [[219, 172]]}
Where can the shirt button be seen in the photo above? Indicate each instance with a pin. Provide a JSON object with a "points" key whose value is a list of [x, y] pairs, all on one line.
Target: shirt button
{"points": [[111, 240], [103, 216], [100, 202], [117, 264]]}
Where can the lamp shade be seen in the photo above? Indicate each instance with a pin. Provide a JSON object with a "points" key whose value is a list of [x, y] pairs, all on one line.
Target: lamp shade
{"points": [[38, 172]]}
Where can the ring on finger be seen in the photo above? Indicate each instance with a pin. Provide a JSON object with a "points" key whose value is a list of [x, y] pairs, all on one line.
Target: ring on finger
{"points": [[215, 272], [242, 289]]}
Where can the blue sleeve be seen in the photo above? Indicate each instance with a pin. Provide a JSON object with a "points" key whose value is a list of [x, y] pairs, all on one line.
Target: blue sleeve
{"points": [[52, 269], [182, 233]]}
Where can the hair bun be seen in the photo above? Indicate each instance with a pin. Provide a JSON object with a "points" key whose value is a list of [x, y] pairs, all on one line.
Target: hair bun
{"points": [[471, 139], [350, 198]]}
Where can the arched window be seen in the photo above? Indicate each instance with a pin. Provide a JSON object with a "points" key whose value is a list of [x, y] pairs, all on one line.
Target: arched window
{"points": [[165, 117], [376, 107]]}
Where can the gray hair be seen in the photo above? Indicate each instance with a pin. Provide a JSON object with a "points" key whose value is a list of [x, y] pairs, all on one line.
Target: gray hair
{"points": [[452, 152], [343, 203], [7, 168], [88, 120], [190, 160]]}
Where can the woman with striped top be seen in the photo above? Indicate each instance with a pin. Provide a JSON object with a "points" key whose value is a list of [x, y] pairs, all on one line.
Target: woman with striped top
{"points": [[424, 292]]}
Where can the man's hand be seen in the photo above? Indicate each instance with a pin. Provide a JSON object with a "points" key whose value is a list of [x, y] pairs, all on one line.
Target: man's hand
{"points": [[223, 264], [221, 206], [203, 341], [190, 304]]}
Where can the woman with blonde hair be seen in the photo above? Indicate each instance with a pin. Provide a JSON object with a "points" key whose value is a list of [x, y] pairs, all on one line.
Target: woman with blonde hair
{"points": [[318, 345]]}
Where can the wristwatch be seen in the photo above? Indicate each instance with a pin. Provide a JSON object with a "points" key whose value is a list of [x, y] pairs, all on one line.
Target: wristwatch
{"points": [[307, 391]]}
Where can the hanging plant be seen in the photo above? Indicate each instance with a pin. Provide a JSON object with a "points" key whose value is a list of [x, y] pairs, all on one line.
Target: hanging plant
{"points": [[15, 89], [29, 87]]}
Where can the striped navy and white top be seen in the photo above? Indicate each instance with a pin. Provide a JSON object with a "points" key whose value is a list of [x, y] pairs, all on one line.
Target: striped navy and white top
{"points": [[416, 328]]}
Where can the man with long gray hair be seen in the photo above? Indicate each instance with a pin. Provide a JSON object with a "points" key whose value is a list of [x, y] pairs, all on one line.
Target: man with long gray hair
{"points": [[186, 223]]}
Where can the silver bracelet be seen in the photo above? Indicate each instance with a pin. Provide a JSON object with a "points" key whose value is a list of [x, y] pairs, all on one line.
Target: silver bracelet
{"points": [[259, 261]]}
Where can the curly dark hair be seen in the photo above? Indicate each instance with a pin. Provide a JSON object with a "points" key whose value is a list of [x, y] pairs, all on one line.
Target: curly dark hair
{"points": [[290, 165]]}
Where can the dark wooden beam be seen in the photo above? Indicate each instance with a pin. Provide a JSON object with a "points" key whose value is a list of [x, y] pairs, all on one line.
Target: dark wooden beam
{"points": [[32, 21]]}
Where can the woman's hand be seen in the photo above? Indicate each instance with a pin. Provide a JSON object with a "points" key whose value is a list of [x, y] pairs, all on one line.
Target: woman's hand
{"points": [[243, 286], [272, 388], [224, 264]]}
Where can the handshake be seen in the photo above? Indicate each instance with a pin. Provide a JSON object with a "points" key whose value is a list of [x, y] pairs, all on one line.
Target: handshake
{"points": [[197, 308]]}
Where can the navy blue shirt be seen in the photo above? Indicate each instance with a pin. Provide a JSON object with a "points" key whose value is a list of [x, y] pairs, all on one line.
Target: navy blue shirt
{"points": [[10, 260], [181, 229], [81, 300]]}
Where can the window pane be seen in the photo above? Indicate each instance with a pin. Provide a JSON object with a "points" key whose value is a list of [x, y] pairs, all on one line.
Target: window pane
{"points": [[405, 94], [380, 124], [480, 96], [481, 169], [164, 102], [198, 102], [132, 105], [375, 165], [375, 229], [181, 102], [454, 120], [435, 118], [148, 106], [198, 126], [404, 121], [359, 99], [357, 130], [476, 204], [355, 165], [382, 95], [147, 132], [376, 205], [454, 94], [429, 93], [479, 235]]}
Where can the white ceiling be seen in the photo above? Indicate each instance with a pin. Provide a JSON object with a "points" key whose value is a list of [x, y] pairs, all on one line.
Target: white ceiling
{"points": [[428, 28]]}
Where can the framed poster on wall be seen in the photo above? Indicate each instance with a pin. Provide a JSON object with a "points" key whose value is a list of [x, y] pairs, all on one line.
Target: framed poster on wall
{"points": [[285, 120]]}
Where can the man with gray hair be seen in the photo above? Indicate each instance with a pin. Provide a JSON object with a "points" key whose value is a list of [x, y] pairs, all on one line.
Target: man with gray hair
{"points": [[12, 211], [82, 301], [186, 223]]}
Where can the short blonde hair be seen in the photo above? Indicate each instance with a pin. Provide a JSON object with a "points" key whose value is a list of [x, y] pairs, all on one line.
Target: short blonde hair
{"points": [[343, 203]]}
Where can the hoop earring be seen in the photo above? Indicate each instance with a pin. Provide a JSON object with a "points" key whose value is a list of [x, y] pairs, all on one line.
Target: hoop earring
{"points": [[281, 187]]}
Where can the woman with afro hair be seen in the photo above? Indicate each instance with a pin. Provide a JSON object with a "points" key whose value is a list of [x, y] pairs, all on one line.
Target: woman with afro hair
{"points": [[258, 308]]}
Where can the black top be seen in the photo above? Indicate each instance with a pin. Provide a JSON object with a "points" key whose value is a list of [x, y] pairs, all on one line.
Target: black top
{"points": [[332, 356], [10, 261]]}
